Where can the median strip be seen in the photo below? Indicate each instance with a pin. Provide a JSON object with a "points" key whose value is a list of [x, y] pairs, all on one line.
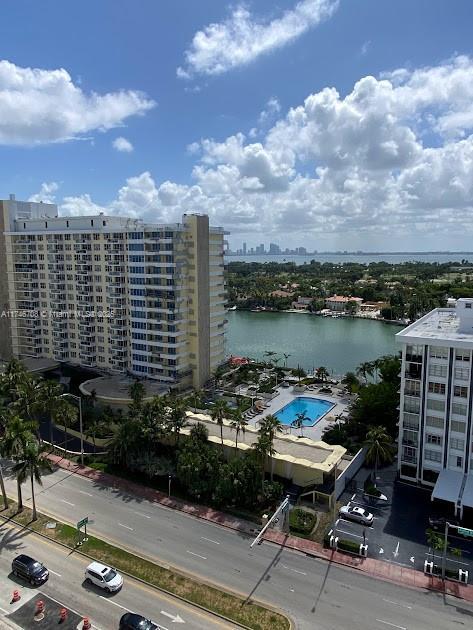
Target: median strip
{"points": [[227, 605]]}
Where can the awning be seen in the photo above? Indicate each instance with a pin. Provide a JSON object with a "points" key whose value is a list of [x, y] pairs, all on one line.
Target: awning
{"points": [[467, 498], [448, 486]]}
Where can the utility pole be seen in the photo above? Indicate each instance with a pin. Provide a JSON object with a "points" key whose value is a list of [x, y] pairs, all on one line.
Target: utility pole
{"points": [[334, 496]]}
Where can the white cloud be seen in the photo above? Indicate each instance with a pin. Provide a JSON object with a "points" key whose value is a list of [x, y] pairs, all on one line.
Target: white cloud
{"points": [[390, 164], [122, 145], [365, 47], [42, 106], [46, 193], [242, 38], [273, 107]]}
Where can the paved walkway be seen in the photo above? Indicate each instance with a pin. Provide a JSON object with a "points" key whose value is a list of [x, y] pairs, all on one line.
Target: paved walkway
{"points": [[403, 576]]}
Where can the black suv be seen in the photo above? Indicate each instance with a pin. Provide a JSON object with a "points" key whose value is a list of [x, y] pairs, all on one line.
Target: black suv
{"points": [[29, 569], [133, 621]]}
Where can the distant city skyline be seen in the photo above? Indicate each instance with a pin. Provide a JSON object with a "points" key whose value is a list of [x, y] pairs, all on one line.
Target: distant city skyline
{"points": [[276, 250]]}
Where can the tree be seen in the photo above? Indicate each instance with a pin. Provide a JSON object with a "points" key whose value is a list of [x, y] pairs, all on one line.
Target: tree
{"points": [[219, 412], [322, 373], [177, 419], [286, 357], [197, 398], [126, 439], [31, 464], [18, 434], [300, 373], [298, 423], [269, 426], [262, 448], [13, 374], [137, 392], [350, 381], [65, 414], [239, 424], [379, 448], [365, 369], [50, 399], [270, 354], [199, 433]]}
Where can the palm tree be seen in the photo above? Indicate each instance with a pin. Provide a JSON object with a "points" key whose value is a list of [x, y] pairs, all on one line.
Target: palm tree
{"points": [[126, 438], [137, 392], [29, 398], [365, 369], [270, 354], [239, 423], [177, 419], [2, 454], [219, 412], [286, 357], [18, 434], [269, 427], [379, 448], [322, 373], [350, 381], [298, 423], [31, 464], [50, 399], [65, 414], [14, 372], [196, 398], [262, 448]]}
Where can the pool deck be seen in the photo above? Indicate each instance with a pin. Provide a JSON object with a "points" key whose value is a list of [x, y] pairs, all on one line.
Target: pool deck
{"points": [[287, 395]]}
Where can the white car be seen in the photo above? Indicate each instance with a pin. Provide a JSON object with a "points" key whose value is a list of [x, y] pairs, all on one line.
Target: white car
{"points": [[357, 514], [104, 577]]}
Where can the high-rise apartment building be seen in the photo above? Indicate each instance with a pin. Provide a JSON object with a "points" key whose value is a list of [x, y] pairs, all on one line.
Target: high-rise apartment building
{"points": [[435, 427], [112, 293]]}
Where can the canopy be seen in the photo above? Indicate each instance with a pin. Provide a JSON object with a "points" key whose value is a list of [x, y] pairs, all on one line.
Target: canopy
{"points": [[448, 486], [467, 498]]}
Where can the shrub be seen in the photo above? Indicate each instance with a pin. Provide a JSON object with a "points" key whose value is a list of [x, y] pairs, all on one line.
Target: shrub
{"points": [[371, 489], [349, 545], [301, 521]]}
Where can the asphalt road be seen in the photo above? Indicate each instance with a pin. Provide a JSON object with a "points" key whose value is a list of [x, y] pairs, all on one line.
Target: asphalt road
{"points": [[316, 594], [66, 585]]}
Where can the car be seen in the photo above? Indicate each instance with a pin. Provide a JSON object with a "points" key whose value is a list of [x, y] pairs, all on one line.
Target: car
{"points": [[357, 514], [285, 384], [29, 569], [133, 621], [104, 577]]}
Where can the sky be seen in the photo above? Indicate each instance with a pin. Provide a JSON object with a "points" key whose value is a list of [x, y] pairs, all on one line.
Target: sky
{"points": [[329, 124]]}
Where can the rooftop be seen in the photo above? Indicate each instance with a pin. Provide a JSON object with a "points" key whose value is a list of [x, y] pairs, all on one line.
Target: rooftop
{"points": [[441, 324]]}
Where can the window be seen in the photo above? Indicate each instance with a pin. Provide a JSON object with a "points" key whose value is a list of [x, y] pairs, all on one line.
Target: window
{"points": [[432, 421], [136, 269], [459, 408], [457, 443], [135, 235], [434, 439], [462, 374], [136, 247], [436, 405], [432, 456], [438, 370], [458, 427], [468, 305], [437, 388], [437, 352], [460, 391], [414, 353], [462, 355]]}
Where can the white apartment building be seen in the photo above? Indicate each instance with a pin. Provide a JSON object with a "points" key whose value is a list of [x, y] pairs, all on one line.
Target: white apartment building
{"points": [[112, 293], [435, 425]]}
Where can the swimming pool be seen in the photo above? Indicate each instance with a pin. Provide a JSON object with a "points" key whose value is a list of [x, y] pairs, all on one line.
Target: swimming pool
{"points": [[315, 409]]}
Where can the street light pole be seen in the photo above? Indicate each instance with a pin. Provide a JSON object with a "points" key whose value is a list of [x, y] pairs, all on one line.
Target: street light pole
{"points": [[169, 486], [444, 554]]}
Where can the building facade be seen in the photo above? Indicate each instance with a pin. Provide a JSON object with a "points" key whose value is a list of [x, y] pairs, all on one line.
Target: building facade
{"points": [[112, 293], [435, 424]]}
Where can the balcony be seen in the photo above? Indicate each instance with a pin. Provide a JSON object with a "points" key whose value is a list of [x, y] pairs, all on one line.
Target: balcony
{"points": [[409, 442], [409, 459], [60, 355], [412, 392], [59, 324]]}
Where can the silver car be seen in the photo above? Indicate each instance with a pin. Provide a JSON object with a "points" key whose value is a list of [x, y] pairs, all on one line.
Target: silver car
{"points": [[356, 514]]}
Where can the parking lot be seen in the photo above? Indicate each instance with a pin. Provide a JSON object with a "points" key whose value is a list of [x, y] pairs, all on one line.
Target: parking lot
{"points": [[398, 534]]}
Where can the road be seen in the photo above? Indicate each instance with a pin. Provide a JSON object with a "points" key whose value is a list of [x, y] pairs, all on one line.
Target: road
{"points": [[316, 594], [66, 585]]}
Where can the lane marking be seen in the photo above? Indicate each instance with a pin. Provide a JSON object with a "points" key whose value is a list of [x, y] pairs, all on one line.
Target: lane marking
{"points": [[342, 531], [4, 611], [141, 514], [393, 625], [86, 493], [196, 554], [210, 540], [295, 570], [114, 603], [397, 603], [68, 503], [126, 527], [54, 572]]}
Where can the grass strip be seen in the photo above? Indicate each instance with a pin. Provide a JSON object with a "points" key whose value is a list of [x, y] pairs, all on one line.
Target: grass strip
{"points": [[231, 606]]}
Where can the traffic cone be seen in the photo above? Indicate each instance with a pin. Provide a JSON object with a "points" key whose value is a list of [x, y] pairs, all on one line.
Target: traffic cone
{"points": [[86, 624], [63, 615], [39, 614], [16, 597]]}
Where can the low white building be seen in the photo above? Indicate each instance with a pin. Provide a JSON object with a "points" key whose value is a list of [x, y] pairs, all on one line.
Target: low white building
{"points": [[340, 303], [435, 425]]}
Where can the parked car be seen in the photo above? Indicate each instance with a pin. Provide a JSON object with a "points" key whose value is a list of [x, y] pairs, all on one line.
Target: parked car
{"points": [[104, 577], [133, 621], [357, 514], [29, 569], [285, 384]]}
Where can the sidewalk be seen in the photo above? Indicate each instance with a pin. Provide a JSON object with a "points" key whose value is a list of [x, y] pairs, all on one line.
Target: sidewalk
{"points": [[390, 572]]}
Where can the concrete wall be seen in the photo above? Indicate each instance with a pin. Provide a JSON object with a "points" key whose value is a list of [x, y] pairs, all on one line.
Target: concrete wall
{"points": [[350, 471]]}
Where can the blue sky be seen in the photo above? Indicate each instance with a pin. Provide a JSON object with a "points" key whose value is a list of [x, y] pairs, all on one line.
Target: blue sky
{"points": [[253, 173]]}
